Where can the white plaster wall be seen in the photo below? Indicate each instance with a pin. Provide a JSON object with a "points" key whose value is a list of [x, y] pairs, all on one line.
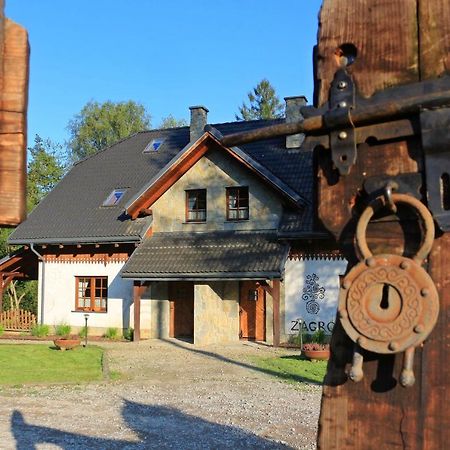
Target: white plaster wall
{"points": [[59, 295], [323, 277]]}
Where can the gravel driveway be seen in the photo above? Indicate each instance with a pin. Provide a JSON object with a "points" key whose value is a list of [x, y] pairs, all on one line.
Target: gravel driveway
{"points": [[172, 395]]}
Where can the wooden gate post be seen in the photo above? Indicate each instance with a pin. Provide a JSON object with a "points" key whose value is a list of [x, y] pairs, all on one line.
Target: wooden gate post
{"points": [[139, 287], [383, 44], [14, 60]]}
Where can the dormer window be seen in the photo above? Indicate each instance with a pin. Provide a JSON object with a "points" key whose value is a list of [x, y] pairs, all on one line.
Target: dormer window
{"points": [[114, 197], [153, 146], [196, 205], [237, 203]]}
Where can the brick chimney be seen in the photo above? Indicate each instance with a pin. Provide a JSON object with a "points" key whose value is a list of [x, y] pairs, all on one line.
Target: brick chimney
{"points": [[199, 118], [293, 114]]}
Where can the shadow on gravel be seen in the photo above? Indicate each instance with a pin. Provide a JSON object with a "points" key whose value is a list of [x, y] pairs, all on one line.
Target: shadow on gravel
{"points": [[156, 427], [284, 376]]}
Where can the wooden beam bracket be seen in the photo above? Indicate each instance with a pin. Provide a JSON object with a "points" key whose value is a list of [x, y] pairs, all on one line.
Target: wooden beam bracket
{"points": [[339, 121]]}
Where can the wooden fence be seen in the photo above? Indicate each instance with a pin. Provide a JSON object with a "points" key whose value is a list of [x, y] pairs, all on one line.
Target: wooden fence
{"points": [[17, 320]]}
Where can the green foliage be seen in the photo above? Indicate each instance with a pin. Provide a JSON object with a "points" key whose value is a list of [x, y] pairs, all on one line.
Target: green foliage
{"points": [[4, 234], [319, 337], [99, 125], [27, 291], [112, 333], [2, 330], [293, 368], [63, 329], [172, 122], [40, 330], [295, 339], [45, 169], [128, 334], [263, 103], [41, 364], [83, 332]]}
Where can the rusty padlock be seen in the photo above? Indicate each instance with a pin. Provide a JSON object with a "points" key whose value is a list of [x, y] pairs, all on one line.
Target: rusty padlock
{"points": [[388, 303]]}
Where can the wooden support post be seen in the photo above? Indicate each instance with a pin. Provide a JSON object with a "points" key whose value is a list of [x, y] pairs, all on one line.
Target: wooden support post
{"points": [[393, 42], [137, 310], [1, 292], [276, 312]]}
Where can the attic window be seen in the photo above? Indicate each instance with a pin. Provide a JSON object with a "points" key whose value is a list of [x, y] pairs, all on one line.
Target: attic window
{"points": [[153, 146], [114, 197]]}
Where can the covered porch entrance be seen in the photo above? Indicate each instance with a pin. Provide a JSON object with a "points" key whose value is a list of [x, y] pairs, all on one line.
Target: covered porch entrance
{"points": [[200, 292]]}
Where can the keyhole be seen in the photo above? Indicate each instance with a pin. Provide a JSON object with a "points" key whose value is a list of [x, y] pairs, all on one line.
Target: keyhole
{"points": [[384, 304]]}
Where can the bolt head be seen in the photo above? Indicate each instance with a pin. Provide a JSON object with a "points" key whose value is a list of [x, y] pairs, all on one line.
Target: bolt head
{"points": [[393, 346], [419, 328], [370, 262], [361, 341], [404, 265], [342, 104], [424, 292], [342, 135], [342, 85]]}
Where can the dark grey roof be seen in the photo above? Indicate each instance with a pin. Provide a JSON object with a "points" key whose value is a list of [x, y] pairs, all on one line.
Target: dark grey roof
{"points": [[300, 225], [73, 211], [218, 255]]}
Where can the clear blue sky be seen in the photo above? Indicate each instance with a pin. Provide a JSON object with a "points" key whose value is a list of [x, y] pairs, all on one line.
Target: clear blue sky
{"points": [[167, 55]]}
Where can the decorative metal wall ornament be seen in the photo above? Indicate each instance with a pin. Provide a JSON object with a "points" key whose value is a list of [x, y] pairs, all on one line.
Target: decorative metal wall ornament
{"points": [[312, 292], [388, 303]]}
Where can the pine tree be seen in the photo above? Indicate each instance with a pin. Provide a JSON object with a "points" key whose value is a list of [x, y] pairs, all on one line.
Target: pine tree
{"points": [[263, 103]]}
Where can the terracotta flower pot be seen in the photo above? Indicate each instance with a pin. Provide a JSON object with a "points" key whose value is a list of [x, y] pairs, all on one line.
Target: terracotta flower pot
{"points": [[66, 344], [322, 355]]}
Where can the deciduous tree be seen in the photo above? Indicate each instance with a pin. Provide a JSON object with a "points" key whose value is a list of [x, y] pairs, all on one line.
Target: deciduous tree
{"points": [[99, 125], [171, 122], [45, 169]]}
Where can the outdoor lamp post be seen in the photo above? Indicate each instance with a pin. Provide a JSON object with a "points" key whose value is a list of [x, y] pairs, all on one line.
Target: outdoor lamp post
{"points": [[86, 317]]}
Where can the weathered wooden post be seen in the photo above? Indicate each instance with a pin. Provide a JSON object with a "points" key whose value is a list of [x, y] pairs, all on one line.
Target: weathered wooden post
{"points": [[388, 44], [14, 57], [381, 132]]}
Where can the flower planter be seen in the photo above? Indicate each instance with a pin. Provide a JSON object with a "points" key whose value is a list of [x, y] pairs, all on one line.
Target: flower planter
{"points": [[66, 344], [321, 355]]}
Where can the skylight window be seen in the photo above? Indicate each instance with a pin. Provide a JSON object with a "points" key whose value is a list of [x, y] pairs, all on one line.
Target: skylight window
{"points": [[114, 197], [153, 146]]}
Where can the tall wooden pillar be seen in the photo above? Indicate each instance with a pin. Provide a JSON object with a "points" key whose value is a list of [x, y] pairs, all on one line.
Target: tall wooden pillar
{"points": [[276, 312], [14, 60], [137, 292], [393, 42], [1, 292]]}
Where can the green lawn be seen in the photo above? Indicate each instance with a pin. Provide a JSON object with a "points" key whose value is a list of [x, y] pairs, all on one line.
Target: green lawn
{"points": [[294, 369], [25, 363]]}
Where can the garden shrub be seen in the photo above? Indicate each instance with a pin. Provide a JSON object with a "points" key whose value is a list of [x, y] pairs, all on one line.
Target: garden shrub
{"points": [[83, 332], [128, 334], [2, 330], [40, 330], [63, 329], [112, 333]]}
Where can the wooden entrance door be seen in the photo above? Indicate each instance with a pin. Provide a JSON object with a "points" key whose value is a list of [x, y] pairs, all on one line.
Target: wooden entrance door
{"points": [[252, 312], [181, 296]]}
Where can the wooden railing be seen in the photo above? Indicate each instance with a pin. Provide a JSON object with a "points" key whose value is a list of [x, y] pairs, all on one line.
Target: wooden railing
{"points": [[17, 320]]}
